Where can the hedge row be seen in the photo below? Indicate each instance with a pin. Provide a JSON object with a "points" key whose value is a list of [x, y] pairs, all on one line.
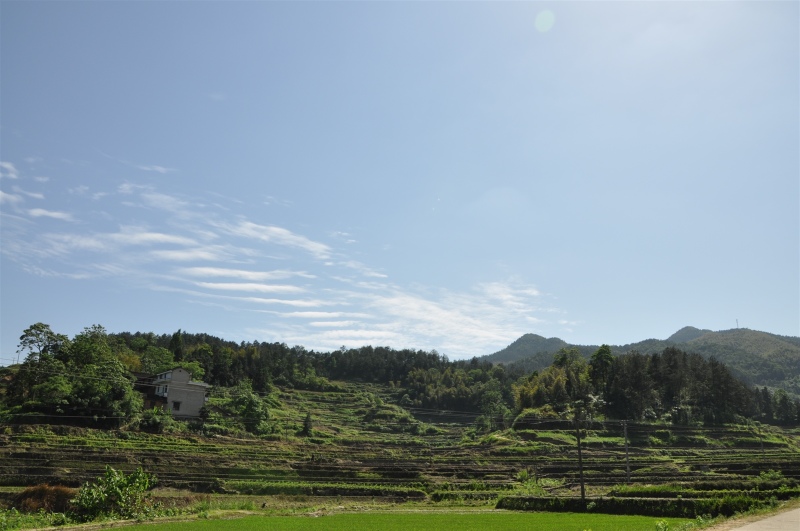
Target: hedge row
{"points": [[738, 484], [321, 489], [675, 508], [449, 495], [780, 494]]}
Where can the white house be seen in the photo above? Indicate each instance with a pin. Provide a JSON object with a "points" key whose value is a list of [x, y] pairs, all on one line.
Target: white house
{"points": [[181, 396]]}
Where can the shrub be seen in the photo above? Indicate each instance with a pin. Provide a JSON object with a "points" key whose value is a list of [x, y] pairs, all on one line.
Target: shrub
{"points": [[156, 420], [115, 494], [771, 475]]}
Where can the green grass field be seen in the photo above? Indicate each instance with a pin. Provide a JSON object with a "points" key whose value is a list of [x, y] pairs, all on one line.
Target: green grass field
{"points": [[425, 522]]}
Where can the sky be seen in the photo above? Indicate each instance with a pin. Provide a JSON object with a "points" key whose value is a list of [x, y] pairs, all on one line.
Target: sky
{"points": [[427, 175]]}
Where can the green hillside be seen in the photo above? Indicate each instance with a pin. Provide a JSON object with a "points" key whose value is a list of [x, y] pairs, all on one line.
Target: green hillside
{"points": [[526, 346], [758, 358]]}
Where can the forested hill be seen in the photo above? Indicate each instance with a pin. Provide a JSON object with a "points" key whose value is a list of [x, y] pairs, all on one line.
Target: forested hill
{"points": [[758, 358]]}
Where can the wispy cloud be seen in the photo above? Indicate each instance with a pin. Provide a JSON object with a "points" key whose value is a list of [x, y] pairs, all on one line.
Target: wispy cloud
{"points": [[324, 315], [242, 274], [139, 236], [54, 214], [163, 201], [187, 255], [10, 199], [65, 244], [279, 236], [333, 324], [250, 287], [363, 269], [8, 171], [33, 195], [344, 237], [309, 292], [157, 169]]}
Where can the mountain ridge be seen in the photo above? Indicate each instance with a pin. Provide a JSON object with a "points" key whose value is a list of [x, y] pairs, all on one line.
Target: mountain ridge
{"points": [[758, 358]]}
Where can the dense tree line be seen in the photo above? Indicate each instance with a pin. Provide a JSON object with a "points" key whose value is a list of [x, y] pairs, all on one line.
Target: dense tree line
{"points": [[91, 375], [673, 385]]}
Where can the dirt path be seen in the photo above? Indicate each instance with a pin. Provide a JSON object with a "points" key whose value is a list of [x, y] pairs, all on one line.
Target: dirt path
{"points": [[783, 521]]}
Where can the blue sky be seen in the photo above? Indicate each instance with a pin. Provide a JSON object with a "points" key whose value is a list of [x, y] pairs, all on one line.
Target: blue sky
{"points": [[443, 175]]}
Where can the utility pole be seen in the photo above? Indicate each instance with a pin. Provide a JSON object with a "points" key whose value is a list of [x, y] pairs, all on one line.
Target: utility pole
{"points": [[627, 458], [580, 455]]}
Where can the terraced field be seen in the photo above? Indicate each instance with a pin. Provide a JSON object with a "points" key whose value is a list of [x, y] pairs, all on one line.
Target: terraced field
{"points": [[364, 446]]}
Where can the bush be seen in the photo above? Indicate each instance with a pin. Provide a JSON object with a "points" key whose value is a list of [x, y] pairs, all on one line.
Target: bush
{"points": [[156, 420], [115, 495]]}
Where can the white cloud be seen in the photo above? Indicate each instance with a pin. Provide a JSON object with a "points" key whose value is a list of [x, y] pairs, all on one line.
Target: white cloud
{"points": [[300, 303], [42, 213], [34, 195], [279, 236], [136, 236], [62, 244], [129, 188], [163, 202], [185, 255], [158, 169], [242, 274], [8, 171], [343, 236], [368, 336], [269, 200], [9, 198], [332, 324], [364, 270], [324, 315], [252, 287]]}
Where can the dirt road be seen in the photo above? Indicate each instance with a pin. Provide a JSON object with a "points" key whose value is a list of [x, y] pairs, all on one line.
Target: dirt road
{"points": [[785, 521]]}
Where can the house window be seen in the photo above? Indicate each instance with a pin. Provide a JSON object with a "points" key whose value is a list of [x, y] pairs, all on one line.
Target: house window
{"points": [[176, 406]]}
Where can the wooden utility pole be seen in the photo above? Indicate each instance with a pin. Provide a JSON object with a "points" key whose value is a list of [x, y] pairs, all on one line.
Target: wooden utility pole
{"points": [[580, 455], [627, 458]]}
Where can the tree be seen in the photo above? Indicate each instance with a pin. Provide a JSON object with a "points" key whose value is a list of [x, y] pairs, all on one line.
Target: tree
{"points": [[176, 345], [39, 340], [81, 378], [156, 359], [600, 368], [250, 408], [308, 426], [630, 387]]}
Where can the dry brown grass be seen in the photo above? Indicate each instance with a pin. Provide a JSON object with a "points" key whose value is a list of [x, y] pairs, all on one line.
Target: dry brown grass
{"points": [[51, 498]]}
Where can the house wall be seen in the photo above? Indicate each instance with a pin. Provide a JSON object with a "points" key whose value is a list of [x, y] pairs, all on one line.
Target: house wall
{"points": [[191, 398], [179, 388]]}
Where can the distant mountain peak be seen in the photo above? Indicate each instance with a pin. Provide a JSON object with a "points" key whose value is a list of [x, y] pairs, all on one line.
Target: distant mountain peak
{"points": [[686, 334]]}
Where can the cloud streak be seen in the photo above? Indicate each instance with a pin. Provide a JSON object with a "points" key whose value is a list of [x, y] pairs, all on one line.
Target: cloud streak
{"points": [[54, 214], [8, 171], [279, 236]]}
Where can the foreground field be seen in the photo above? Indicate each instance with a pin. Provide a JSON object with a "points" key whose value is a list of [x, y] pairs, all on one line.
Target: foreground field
{"points": [[470, 521]]}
